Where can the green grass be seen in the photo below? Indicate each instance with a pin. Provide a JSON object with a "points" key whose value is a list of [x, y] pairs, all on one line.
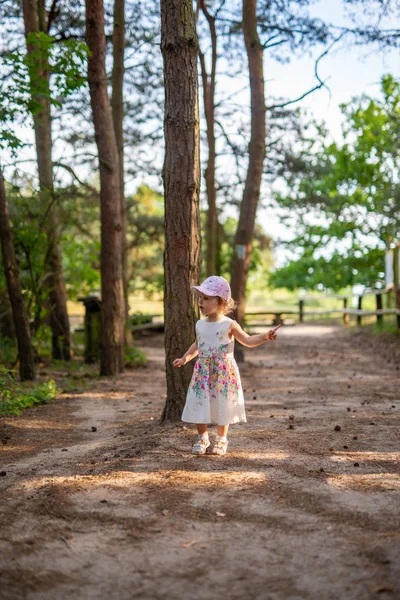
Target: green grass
{"points": [[389, 326], [15, 397], [134, 357]]}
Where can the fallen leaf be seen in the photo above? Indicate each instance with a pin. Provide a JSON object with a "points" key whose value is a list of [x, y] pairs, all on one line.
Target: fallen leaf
{"points": [[165, 512]]}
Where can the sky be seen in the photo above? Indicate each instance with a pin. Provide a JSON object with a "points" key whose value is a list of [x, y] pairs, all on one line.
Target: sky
{"points": [[347, 72]]}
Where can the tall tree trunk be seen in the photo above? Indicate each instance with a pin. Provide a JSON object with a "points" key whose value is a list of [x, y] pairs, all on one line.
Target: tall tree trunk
{"points": [[179, 45], [117, 108], [19, 313], [244, 235], [212, 249], [112, 292], [35, 22]]}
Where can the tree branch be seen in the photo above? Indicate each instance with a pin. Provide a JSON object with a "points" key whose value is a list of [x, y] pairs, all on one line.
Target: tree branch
{"points": [[316, 87], [52, 14], [266, 45], [75, 176], [221, 102], [230, 144], [320, 82]]}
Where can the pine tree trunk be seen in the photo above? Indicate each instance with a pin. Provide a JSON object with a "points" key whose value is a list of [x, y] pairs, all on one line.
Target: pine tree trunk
{"points": [[110, 196], [181, 175], [34, 20], [117, 108], [208, 81], [244, 234], [20, 316]]}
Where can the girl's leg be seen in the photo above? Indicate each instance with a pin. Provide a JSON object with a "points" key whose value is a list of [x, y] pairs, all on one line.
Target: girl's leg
{"points": [[201, 428], [222, 430]]}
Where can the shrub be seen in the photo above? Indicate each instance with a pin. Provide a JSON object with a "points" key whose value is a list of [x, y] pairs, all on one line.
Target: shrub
{"points": [[134, 357], [14, 397]]}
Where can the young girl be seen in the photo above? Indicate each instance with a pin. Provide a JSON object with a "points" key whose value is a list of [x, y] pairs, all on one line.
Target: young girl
{"points": [[215, 392]]}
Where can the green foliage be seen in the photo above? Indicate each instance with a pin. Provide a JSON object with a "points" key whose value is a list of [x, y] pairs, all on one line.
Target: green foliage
{"points": [[335, 273], [14, 397], [31, 71], [81, 261], [81, 241], [6, 377], [145, 239], [344, 199], [7, 138], [29, 243], [140, 318], [80, 236], [8, 351], [50, 72], [388, 327], [73, 376], [134, 357]]}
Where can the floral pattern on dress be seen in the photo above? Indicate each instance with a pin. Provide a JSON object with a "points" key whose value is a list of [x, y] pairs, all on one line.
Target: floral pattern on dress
{"points": [[207, 351], [216, 371]]}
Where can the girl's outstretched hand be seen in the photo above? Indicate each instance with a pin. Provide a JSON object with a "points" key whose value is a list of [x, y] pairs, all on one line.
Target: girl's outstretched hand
{"points": [[271, 334], [179, 362]]}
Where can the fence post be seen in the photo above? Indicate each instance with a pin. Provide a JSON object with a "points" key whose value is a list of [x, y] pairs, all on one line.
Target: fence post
{"points": [[389, 299], [345, 316], [359, 306], [379, 318], [92, 328], [301, 310], [398, 306]]}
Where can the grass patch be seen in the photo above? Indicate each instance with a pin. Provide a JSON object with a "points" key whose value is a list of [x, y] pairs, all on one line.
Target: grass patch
{"points": [[15, 397], [387, 327], [72, 376], [134, 357]]}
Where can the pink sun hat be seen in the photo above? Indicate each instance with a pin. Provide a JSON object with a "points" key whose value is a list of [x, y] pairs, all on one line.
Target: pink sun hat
{"points": [[215, 286]]}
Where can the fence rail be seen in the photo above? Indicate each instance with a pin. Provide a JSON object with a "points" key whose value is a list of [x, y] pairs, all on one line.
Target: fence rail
{"points": [[279, 316]]}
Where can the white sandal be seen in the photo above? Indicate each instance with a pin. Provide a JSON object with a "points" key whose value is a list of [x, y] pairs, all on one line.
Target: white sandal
{"points": [[200, 446], [220, 447]]}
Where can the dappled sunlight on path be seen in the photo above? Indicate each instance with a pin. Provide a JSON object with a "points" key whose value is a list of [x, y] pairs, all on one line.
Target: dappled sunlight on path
{"points": [[103, 501]]}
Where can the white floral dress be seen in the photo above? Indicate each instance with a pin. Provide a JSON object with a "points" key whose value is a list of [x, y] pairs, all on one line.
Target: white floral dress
{"points": [[215, 392]]}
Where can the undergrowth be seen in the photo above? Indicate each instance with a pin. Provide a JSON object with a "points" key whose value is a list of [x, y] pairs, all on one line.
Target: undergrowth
{"points": [[134, 357], [14, 397]]}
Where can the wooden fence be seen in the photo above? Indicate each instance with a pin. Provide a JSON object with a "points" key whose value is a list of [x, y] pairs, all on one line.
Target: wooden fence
{"points": [[279, 316]]}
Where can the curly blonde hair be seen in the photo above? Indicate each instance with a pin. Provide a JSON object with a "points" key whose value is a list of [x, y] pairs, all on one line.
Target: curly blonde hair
{"points": [[228, 306]]}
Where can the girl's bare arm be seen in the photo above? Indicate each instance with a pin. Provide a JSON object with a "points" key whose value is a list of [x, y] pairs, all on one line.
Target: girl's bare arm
{"points": [[191, 353], [251, 341]]}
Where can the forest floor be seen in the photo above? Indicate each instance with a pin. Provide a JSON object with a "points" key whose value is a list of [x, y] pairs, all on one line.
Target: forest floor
{"points": [[99, 501]]}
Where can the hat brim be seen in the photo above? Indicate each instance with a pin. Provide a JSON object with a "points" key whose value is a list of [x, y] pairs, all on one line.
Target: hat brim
{"points": [[204, 291]]}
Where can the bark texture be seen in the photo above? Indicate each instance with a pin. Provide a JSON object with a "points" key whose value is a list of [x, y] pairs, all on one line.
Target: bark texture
{"points": [[19, 313], [113, 311], [179, 45], [244, 234], [117, 108], [208, 81], [35, 21]]}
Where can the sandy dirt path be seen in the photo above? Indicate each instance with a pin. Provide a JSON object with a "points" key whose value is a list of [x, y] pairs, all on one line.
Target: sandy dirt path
{"points": [[100, 501]]}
